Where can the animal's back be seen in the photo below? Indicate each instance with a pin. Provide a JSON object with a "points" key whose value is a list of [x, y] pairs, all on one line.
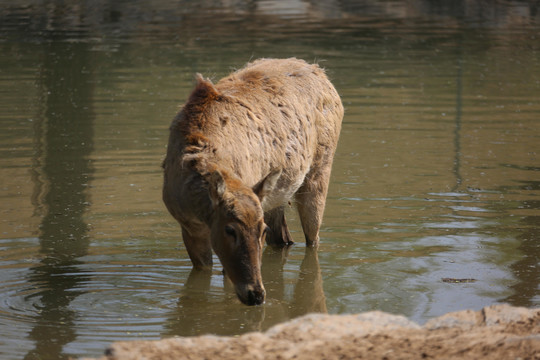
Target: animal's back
{"points": [[272, 114]]}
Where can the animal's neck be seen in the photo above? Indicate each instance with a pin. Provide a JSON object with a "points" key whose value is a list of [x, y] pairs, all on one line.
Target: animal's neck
{"points": [[196, 195]]}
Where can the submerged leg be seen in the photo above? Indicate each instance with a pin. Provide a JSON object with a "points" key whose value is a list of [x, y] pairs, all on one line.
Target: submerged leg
{"points": [[311, 199], [199, 249], [279, 235]]}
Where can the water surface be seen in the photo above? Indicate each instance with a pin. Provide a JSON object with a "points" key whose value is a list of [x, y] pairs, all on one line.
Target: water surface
{"points": [[434, 200]]}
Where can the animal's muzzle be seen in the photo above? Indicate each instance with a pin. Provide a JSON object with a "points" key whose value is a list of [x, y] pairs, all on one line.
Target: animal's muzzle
{"points": [[255, 297], [252, 295]]}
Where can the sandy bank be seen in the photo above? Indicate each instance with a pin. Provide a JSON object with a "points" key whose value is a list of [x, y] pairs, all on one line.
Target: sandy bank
{"points": [[495, 332]]}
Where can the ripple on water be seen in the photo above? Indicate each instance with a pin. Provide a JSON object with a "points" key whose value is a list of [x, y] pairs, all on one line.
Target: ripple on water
{"points": [[100, 299], [17, 296]]}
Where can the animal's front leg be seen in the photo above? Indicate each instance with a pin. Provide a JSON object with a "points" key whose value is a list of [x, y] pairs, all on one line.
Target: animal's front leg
{"points": [[279, 235], [199, 248]]}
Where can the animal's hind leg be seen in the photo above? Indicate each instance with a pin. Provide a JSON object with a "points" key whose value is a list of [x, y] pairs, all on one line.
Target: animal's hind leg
{"points": [[199, 249], [311, 199], [279, 235]]}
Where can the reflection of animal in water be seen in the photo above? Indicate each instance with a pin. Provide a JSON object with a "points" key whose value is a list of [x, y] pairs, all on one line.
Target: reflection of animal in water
{"points": [[308, 295], [201, 303], [238, 151]]}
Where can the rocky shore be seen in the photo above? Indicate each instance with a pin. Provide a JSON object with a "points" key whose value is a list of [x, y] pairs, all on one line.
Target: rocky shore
{"points": [[495, 332]]}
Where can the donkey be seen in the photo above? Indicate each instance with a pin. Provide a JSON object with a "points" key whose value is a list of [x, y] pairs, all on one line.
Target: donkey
{"points": [[238, 151]]}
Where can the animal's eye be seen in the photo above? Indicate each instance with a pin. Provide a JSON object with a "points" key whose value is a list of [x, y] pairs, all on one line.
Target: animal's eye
{"points": [[229, 230]]}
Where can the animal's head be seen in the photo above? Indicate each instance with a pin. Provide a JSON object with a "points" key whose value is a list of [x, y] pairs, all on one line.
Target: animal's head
{"points": [[238, 231]]}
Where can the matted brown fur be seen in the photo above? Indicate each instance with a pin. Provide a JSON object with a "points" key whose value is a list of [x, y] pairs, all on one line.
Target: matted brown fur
{"points": [[242, 148]]}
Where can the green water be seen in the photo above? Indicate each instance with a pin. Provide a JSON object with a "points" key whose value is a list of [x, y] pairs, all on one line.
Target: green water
{"points": [[436, 175]]}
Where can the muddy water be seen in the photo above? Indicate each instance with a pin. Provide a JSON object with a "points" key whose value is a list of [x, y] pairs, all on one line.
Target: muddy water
{"points": [[434, 200]]}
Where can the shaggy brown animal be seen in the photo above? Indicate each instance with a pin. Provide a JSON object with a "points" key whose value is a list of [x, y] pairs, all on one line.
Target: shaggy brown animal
{"points": [[241, 149]]}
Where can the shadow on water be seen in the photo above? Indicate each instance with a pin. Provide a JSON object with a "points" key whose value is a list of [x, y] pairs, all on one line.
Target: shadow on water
{"points": [[197, 309], [61, 173], [459, 112]]}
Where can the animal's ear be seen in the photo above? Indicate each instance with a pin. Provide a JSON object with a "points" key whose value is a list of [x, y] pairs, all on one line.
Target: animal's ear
{"points": [[204, 90], [266, 185], [216, 187]]}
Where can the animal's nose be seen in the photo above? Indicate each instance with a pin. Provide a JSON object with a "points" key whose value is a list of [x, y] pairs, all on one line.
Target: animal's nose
{"points": [[251, 294], [255, 297]]}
